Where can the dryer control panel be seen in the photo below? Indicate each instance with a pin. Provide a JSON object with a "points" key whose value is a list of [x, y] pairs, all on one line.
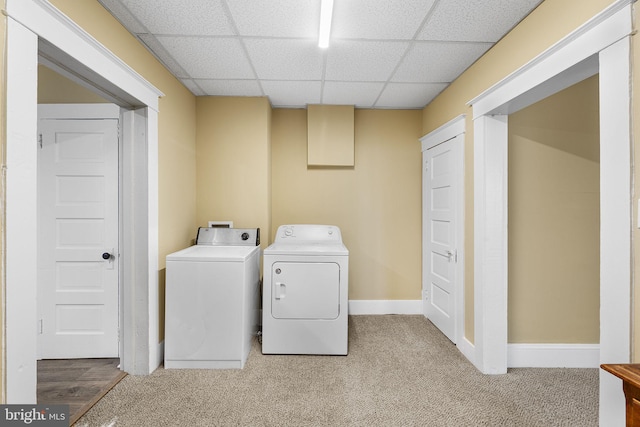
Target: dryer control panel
{"points": [[308, 233]]}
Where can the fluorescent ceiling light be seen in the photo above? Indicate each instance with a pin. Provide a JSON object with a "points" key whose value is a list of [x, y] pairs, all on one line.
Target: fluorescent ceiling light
{"points": [[326, 11]]}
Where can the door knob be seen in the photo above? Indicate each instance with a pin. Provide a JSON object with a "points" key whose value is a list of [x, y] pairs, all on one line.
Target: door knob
{"points": [[452, 256], [106, 255]]}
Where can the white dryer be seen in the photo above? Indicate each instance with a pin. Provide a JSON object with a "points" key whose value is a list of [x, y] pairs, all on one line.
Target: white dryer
{"points": [[305, 292], [212, 300]]}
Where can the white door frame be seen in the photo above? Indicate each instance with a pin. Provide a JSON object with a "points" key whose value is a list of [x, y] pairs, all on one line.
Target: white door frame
{"points": [[442, 134], [35, 27], [602, 46]]}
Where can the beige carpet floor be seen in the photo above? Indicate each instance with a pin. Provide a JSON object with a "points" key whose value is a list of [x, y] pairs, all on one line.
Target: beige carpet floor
{"points": [[400, 371]]}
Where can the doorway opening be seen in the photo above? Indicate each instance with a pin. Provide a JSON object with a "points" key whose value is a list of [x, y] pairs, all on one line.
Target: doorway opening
{"points": [[78, 214], [37, 32], [601, 46], [554, 227]]}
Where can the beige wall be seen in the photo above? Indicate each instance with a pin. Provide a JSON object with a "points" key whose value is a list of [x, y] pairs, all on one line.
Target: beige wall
{"points": [[176, 122], [554, 219], [54, 88], [376, 203], [369, 201], [234, 162], [546, 25], [176, 129]]}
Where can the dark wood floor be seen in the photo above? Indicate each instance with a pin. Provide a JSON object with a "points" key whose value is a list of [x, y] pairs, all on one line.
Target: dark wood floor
{"points": [[79, 383]]}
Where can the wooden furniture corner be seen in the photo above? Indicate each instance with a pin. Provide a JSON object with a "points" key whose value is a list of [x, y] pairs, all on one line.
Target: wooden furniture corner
{"points": [[629, 373]]}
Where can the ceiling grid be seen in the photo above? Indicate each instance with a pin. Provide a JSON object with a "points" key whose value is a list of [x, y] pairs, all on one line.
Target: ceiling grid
{"points": [[396, 54]]}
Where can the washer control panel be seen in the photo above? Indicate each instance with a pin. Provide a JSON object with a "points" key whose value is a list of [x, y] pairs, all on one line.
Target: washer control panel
{"points": [[218, 236]]}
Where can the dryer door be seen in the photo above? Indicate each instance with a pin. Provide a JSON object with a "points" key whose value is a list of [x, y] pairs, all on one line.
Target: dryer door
{"points": [[305, 290]]}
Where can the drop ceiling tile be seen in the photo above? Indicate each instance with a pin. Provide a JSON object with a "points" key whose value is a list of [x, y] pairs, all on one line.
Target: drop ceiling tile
{"points": [[475, 20], [282, 18], [362, 95], [363, 60], [275, 40], [291, 94], [378, 19], [193, 17], [284, 59], [409, 95], [122, 14], [193, 87], [209, 58], [438, 62], [161, 53], [230, 87]]}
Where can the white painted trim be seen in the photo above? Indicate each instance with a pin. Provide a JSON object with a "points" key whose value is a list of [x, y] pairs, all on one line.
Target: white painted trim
{"points": [[611, 408], [553, 355], [78, 111], [460, 239], [59, 31], [134, 246], [611, 25], [127, 305], [612, 28], [468, 350], [490, 243], [449, 130], [21, 201], [82, 80], [615, 203], [358, 307], [151, 220], [139, 242], [616, 224], [27, 20]]}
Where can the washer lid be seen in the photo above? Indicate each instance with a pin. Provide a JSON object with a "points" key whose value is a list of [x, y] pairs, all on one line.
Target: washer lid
{"points": [[317, 249], [214, 253]]}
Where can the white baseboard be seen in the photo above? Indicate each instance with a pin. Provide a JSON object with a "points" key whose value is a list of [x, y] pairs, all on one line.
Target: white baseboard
{"points": [[553, 355], [385, 307], [518, 355]]}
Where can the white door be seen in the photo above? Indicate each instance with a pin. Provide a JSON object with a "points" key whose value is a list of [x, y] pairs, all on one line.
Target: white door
{"points": [[305, 290], [441, 206], [77, 238]]}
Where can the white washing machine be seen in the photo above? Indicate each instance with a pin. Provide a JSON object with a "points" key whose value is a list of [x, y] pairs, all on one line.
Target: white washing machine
{"points": [[212, 300], [305, 292]]}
